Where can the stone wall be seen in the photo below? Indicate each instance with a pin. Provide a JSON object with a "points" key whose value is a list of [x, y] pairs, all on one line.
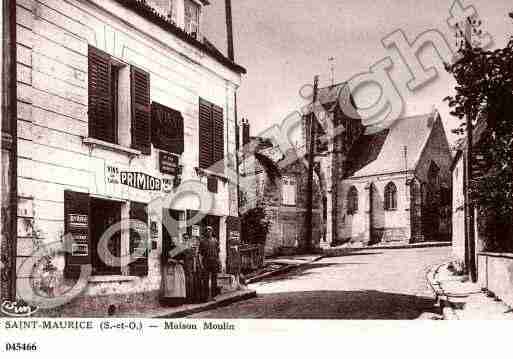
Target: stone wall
{"points": [[495, 273], [458, 211]]}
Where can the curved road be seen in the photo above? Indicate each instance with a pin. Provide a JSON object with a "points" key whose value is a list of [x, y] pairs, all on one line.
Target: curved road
{"points": [[369, 284]]}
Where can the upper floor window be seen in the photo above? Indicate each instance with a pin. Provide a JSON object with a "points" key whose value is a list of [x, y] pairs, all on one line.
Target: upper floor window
{"points": [[352, 200], [211, 136], [390, 196], [191, 17], [112, 118]]}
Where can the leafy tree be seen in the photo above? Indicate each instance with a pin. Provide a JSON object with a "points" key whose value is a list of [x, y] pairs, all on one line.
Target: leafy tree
{"points": [[255, 226], [485, 90]]}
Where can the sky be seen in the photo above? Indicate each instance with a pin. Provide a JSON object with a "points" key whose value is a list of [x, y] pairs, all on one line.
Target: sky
{"points": [[284, 43]]}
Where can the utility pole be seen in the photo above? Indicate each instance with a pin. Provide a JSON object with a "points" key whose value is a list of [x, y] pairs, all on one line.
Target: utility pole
{"points": [[8, 237], [312, 124], [469, 210], [465, 32], [332, 69]]}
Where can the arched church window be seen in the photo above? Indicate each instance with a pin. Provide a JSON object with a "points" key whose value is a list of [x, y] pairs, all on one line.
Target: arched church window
{"points": [[390, 196], [352, 200]]}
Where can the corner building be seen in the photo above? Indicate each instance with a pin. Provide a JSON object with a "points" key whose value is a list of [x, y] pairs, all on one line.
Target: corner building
{"points": [[119, 102]]}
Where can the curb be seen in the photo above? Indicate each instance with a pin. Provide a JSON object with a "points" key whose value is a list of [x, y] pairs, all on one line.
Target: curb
{"points": [[281, 270], [414, 245], [225, 300], [441, 298], [338, 252]]}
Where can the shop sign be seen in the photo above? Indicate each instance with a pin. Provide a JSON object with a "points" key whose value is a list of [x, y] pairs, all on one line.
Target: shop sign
{"points": [[196, 230], [78, 220], [234, 236], [168, 163], [137, 180], [140, 181], [112, 174], [167, 185]]}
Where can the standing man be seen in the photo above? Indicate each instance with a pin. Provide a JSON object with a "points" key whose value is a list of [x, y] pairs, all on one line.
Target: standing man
{"points": [[209, 253]]}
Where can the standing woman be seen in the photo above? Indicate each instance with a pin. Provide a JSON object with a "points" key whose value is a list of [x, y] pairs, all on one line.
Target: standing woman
{"points": [[174, 287]]}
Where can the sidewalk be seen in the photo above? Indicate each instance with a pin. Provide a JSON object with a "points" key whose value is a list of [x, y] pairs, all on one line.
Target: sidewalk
{"points": [[188, 309], [461, 299], [278, 265]]}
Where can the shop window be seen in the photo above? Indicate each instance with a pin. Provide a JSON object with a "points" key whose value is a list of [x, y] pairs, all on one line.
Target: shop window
{"points": [[390, 197], [191, 17], [352, 200], [211, 136], [111, 82], [86, 220]]}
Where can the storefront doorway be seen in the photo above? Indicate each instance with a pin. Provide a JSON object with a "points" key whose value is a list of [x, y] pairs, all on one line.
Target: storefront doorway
{"points": [[103, 215]]}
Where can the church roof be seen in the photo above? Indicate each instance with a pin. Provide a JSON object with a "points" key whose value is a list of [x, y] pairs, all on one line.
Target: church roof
{"points": [[384, 152]]}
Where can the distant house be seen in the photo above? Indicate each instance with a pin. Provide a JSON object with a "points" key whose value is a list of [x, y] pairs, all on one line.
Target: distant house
{"points": [[397, 185], [281, 192], [459, 209]]}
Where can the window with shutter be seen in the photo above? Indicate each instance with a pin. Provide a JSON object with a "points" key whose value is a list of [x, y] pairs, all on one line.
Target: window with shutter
{"points": [[76, 224], [101, 122], [205, 134], [139, 240], [218, 133], [167, 128], [191, 17], [211, 135], [141, 110]]}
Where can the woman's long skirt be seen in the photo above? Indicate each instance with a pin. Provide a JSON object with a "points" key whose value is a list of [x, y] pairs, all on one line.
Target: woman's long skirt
{"points": [[174, 289]]}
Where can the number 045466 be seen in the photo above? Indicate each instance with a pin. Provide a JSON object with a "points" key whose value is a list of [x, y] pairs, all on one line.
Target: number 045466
{"points": [[14, 347]]}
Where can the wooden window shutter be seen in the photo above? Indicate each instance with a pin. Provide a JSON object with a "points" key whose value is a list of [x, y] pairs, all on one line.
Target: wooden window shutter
{"points": [[101, 123], [167, 128], [205, 134], [218, 136], [139, 241], [141, 110], [76, 223]]}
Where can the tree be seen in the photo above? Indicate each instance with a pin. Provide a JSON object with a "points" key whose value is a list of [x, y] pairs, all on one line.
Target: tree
{"points": [[485, 90]]}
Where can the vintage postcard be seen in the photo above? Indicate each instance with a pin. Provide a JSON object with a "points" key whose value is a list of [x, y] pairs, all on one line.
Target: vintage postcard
{"points": [[178, 167]]}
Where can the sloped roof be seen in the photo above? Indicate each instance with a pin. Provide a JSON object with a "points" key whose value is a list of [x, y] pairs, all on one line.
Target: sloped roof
{"points": [[145, 10], [383, 152]]}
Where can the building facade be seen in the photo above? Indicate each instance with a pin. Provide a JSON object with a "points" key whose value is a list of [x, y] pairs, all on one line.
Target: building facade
{"points": [[397, 185], [121, 104], [281, 191]]}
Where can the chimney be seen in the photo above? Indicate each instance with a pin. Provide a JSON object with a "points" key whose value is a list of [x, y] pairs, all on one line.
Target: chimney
{"points": [[245, 132], [229, 29]]}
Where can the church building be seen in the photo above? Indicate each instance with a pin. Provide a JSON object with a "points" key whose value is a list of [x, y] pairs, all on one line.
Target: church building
{"points": [[397, 184]]}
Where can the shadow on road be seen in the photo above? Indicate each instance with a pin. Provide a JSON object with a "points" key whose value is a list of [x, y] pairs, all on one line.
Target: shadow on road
{"points": [[304, 271], [367, 304]]}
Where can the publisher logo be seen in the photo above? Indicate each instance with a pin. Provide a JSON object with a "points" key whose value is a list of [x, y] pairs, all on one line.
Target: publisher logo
{"points": [[17, 309]]}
